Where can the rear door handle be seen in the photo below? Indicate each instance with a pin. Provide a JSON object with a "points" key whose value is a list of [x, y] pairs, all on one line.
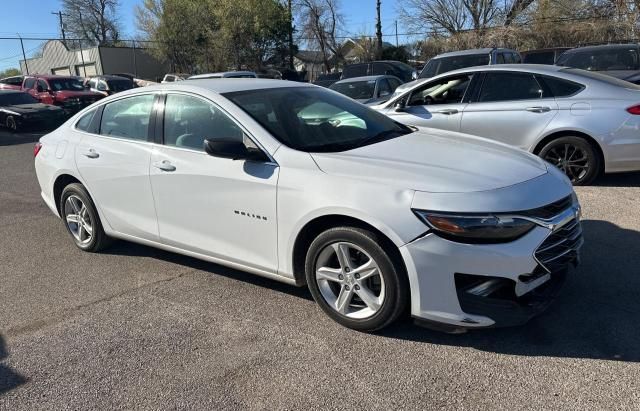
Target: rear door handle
{"points": [[447, 111], [164, 165], [91, 153], [538, 109]]}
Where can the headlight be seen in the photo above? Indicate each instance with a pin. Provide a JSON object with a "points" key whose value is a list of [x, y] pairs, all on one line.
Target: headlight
{"points": [[476, 228]]}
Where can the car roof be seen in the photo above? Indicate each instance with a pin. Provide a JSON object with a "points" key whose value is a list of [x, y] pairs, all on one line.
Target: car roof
{"points": [[220, 74], [545, 50], [485, 50], [229, 85], [534, 68], [50, 76], [111, 77], [601, 47], [364, 78]]}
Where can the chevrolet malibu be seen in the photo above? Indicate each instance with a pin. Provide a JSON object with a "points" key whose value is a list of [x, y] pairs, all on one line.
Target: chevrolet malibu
{"points": [[303, 185]]}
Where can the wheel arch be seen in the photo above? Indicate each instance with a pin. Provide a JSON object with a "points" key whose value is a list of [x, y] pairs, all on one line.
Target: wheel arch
{"points": [[572, 133], [312, 228], [60, 182]]}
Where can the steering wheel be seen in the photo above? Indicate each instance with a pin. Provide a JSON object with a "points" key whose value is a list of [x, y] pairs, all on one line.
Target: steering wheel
{"points": [[428, 100]]}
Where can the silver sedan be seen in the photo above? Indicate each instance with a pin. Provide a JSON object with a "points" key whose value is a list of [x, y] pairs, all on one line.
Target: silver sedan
{"points": [[584, 123]]}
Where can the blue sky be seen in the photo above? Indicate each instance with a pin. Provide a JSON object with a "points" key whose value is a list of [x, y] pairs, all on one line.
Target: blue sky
{"points": [[39, 22]]}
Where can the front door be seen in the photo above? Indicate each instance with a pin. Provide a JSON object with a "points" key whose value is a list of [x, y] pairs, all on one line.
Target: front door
{"points": [[512, 107], [438, 104], [218, 207]]}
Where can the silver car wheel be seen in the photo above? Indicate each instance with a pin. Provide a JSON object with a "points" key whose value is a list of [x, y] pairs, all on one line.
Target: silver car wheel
{"points": [[350, 280], [572, 160], [78, 219]]}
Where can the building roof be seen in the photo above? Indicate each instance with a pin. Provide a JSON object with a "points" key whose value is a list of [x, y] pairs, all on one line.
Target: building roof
{"points": [[310, 56]]}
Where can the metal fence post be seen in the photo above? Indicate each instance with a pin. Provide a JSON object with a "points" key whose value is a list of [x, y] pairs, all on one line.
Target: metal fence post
{"points": [[135, 65]]}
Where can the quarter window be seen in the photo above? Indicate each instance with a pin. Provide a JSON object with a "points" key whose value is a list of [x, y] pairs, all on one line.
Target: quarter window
{"points": [[128, 118], [510, 86], [189, 120], [560, 87], [85, 121]]}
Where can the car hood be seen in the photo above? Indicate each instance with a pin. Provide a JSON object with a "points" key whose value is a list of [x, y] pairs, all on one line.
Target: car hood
{"points": [[32, 108], [435, 161]]}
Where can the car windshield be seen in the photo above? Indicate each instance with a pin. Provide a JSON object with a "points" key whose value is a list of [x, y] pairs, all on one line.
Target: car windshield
{"points": [[316, 120], [356, 89], [443, 64], [14, 99], [120, 85], [59, 84], [601, 60]]}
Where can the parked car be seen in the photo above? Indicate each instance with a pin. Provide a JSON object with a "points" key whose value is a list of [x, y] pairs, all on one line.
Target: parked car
{"points": [[108, 85], [618, 60], [371, 215], [325, 80], [584, 123], [542, 56], [67, 92], [225, 74], [171, 78], [368, 89], [19, 111], [455, 60], [390, 67], [11, 83]]}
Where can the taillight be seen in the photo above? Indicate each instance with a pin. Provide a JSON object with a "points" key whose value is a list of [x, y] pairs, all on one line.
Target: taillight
{"points": [[36, 148], [635, 110]]}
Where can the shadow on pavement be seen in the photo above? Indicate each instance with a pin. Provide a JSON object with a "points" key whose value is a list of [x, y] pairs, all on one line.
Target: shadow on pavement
{"points": [[9, 379], [596, 315], [619, 180], [10, 139]]}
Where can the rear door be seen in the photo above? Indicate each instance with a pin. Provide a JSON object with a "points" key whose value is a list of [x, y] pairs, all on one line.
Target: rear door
{"points": [[113, 161], [511, 107], [438, 104]]}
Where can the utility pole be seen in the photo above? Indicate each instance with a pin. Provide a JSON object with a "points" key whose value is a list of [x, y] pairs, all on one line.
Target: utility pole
{"points": [[59, 13], [290, 37], [378, 32], [396, 33], [24, 56]]}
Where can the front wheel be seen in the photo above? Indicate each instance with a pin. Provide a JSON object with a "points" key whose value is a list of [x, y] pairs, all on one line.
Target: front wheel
{"points": [[575, 157], [355, 280]]}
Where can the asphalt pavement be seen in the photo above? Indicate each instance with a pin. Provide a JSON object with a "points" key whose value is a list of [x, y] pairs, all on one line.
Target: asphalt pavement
{"points": [[136, 327]]}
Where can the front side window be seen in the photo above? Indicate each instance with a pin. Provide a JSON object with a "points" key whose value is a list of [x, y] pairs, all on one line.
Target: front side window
{"points": [[449, 90], [43, 85], [358, 90], [69, 83], [316, 120], [189, 120], [510, 86], [128, 118]]}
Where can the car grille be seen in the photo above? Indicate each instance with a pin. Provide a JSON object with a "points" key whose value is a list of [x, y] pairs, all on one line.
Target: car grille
{"points": [[79, 102], [550, 210], [561, 247]]}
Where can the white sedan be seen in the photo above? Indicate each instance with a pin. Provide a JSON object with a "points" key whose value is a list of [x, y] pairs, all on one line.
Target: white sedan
{"points": [[302, 185]]}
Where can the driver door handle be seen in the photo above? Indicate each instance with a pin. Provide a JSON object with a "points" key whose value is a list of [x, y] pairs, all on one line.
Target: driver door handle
{"points": [[538, 109], [164, 165], [447, 111], [91, 153]]}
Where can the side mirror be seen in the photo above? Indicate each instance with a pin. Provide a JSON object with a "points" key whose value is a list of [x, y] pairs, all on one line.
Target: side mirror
{"points": [[400, 106], [232, 148]]}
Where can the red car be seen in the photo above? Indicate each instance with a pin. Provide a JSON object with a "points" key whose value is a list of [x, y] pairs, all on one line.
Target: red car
{"points": [[11, 83], [63, 91]]}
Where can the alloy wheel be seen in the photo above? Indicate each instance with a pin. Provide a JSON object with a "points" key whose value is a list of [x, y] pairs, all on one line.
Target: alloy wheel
{"points": [[78, 219], [11, 124], [571, 159], [349, 280]]}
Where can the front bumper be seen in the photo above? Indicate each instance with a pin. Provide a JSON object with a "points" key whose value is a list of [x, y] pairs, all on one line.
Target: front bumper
{"points": [[489, 285]]}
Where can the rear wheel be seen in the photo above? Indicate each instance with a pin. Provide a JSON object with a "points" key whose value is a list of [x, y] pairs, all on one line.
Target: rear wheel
{"points": [[575, 157], [81, 219], [354, 279]]}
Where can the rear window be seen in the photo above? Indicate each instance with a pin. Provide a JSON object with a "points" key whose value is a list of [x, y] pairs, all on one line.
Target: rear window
{"points": [[602, 60], [444, 64], [560, 87]]}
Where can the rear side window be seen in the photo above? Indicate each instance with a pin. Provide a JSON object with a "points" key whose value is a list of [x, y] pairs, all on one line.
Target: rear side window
{"points": [[561, 87], [28, 83], [84, 123], [541, 57], [128, 118], [516, 58], [355, 70], [510, 86]]}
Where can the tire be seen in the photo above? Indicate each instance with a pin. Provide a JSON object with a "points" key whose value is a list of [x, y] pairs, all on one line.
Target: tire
{"points": [[383, 284], [11, 124], [81, 219], [575, 157]]}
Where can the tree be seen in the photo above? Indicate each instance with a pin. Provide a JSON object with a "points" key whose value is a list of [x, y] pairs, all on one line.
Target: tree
{"points": [[95, 21], [10, 72], [321, 20]]}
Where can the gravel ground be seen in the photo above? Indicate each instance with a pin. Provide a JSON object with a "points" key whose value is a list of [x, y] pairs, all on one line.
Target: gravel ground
{"points": [[141, 328]]}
